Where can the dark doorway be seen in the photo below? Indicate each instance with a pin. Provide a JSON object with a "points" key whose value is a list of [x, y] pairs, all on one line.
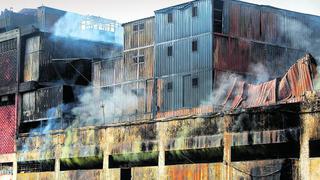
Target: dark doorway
{"points": [[125, 174]]}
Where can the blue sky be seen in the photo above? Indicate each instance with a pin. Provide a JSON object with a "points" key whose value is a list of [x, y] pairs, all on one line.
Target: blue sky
{"points": [[128, 10]]}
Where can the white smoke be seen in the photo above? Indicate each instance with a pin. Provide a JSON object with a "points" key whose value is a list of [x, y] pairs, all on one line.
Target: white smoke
{"points": [[260, 73], [98, 108], [75, 26]]}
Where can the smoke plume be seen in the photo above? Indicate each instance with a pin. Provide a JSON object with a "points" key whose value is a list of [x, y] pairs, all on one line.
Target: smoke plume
{"points": [[99, 108], [90, 28]]}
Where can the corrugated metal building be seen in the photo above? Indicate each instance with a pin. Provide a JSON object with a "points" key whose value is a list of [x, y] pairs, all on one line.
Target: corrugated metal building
{"points": [[133, 72], [170, 63], [36, 67], [184, 66], [224, 37], [251, 34]]}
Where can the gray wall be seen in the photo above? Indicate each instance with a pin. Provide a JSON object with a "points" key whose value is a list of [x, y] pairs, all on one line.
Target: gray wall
{"points": [[183, 94], [183, 25], [184, 64]]}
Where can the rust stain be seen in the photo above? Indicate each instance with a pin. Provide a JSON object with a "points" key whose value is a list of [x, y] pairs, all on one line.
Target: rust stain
{"points": [[291, 88]]}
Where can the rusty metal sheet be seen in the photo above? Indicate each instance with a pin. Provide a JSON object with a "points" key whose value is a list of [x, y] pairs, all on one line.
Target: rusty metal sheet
{"points": [[244, 20], [297, 80], [185, 112], [291, 87], [237, 55]]}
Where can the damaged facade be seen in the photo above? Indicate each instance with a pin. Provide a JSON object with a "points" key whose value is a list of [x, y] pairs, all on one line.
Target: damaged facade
{"points": [[160, 106]]}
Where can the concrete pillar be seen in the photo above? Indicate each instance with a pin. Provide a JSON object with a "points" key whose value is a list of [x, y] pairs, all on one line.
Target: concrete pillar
{"points": [[308, 126], [107, 142], [57, 169], [227, 169], [227, 142], [15, 167], [58, 155], [161, 159]]}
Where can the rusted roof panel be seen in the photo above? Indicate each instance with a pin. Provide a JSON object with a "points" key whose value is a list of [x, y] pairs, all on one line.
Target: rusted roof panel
{"points": [[289, 88]]}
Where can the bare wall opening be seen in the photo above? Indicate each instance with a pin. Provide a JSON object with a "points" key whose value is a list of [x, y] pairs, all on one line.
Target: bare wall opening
{"points": [[36, 166], [133, 160], [265, 151], [193, 156]]}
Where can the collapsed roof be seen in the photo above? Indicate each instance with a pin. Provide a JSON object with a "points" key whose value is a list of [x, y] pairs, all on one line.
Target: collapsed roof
{"points": [[290, 88]]}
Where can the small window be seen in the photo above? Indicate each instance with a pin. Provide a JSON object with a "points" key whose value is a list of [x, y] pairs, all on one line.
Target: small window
{"points": [[170, 51], [141, 26], [135, 59], [135, 27], [194, 82], [138, 92], [194, 45], [170, 18], [141, 59], [194, 11], [7, 100], [4, 98], [169, 86]]}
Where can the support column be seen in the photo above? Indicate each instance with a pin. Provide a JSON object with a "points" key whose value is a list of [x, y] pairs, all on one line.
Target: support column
{"points": [[57, 169], [106, 143], [161, 159], [227, 142], [15, 166], [58, 155], [307, 127]]}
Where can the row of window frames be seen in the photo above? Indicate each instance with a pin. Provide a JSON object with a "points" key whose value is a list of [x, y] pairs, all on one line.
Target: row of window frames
{"points": [[138, 27], [195, 83], [139, 92], [194, 48], [194, 14], [218, 4]]}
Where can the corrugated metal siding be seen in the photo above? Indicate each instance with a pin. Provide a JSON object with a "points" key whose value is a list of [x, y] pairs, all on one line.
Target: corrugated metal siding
{"points": [[141, 38], [143, 90], [10, 20], [271, 25], [119, 70], [36, 105], [183, 25], [47, 17], [31, 60], [236, 55], [108, 72], [145, 69], [183, 94], [41, 49], [7, 129], [183, 59]]}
